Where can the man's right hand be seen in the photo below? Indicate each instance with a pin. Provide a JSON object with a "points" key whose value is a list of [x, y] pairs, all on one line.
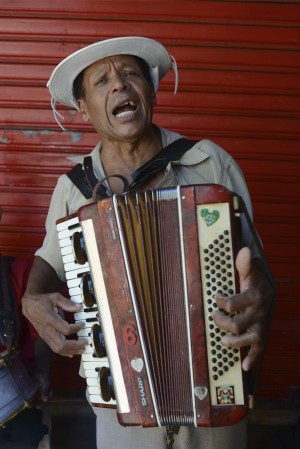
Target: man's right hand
{"points": [[44, 312], [43, 307]]}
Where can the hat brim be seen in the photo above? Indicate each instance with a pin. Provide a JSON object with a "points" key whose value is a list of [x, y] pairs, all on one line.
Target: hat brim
{"points": [[61, 81]]}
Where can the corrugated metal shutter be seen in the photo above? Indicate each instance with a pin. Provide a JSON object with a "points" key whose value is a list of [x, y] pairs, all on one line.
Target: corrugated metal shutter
{"points": [[239, 71]]}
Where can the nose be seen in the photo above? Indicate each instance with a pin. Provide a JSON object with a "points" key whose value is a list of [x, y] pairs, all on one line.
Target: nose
{"points": [[119, 83]]}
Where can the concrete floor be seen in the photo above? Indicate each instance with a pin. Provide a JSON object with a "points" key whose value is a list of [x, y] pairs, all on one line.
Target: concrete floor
{"points": [[72, 426]]}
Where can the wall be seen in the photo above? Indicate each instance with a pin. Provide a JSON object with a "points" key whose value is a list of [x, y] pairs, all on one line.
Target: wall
{"points": [[239, 69]]}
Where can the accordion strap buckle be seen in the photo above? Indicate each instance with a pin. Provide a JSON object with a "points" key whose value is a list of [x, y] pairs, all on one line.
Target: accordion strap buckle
{"points": [[170, 432], [98, 192]]}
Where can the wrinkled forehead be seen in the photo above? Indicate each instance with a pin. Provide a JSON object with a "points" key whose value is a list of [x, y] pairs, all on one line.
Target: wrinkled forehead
{"points": [[118, 62]]}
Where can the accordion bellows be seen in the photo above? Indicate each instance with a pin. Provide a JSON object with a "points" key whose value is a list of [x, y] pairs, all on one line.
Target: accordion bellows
{"points": [[151, 263]]}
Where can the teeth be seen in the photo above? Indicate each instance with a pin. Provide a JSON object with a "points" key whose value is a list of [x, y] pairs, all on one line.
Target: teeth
{"points": [[124, 114]]}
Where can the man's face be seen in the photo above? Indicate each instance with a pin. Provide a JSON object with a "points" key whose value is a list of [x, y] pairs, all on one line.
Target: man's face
{"points": [[118, 100]]}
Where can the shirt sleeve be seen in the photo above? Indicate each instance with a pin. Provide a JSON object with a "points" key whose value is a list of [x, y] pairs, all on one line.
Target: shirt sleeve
{"points": [[50, 250]]}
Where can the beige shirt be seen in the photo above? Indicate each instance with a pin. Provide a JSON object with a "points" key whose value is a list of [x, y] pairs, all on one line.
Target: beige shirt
{"points": [[204, 163]]}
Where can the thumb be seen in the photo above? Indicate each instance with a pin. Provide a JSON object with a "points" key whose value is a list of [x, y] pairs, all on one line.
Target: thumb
{"points": [[244, 267]]}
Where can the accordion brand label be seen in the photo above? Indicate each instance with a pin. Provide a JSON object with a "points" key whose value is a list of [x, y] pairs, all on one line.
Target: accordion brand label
{"points": [[225, 395], [142, 392]]}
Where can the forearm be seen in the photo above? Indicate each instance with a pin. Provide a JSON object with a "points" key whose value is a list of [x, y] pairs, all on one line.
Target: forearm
{"points": [[42, 278]]}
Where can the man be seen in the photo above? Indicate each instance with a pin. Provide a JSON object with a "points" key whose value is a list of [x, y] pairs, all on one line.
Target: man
{"points": [[113, 84]]}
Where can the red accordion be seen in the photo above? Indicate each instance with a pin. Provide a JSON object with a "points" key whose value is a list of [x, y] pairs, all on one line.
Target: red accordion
{"points": [[146, 266]]}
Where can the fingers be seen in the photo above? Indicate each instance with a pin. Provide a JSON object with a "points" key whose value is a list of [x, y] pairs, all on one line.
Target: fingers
{"points": [[240, 312], [66, 304], [44, 313], [54, 320], [252, 337], [252, 357], [60, 344], [69, 348]]}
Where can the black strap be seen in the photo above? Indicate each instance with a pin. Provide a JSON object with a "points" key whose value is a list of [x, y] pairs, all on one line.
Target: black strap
{"points": [[9, 322], [171, 152], [84, 179]]}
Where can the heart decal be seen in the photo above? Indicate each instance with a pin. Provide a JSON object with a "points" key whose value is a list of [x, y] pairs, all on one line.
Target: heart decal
{"points": [[210, 218], [137, 364], [200, 392]]}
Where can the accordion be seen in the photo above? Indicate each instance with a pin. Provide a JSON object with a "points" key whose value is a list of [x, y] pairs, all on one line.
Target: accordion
{"points": [[146, 267]]}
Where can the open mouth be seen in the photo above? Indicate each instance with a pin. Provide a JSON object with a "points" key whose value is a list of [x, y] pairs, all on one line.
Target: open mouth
{"points": [[125, 109]]}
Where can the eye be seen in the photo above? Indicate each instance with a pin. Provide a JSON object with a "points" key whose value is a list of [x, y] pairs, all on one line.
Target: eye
{"points": [[129, 74], [100, 81]]}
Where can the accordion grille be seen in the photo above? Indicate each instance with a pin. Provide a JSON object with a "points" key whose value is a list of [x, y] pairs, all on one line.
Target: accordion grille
{"points": [[154, 266]]}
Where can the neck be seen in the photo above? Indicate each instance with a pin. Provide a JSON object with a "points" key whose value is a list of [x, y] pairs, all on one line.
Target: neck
{"points": [[124, 157]]}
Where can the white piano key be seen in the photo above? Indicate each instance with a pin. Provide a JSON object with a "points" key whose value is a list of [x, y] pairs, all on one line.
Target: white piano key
{"points": [[91, 374], [75, 291], [73, 265], [85, 332], [74, 282], [67, 223], [77, 298], [83, 316], [87, 327], [88, 349], [95, 365], [90, 357], [67, 233], [75, 273], [66, 250], [69, 258], [92, 382], [97, 399], [64, 242], [94, 390]]}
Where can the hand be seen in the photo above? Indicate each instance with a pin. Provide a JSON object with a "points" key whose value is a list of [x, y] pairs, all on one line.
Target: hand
{"points": [[44, 312], [250, 308]]}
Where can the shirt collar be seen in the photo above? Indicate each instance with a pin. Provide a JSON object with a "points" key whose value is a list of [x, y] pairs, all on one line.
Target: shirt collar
{"points": [[192, 157]]}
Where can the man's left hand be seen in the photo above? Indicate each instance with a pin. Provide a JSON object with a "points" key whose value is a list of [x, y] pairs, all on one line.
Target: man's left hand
{"points": [[248, 310]]}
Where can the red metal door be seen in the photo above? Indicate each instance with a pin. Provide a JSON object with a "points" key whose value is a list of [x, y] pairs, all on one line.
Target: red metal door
{"points": [[239, 66]]}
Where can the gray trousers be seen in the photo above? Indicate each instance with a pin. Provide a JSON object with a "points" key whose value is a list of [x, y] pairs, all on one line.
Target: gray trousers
{"points": [[111, 435]]}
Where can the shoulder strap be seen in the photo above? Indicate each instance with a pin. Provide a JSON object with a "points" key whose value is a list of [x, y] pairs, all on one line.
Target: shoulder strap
{"points": [[84, 179], [171, 152], [9, 322]]}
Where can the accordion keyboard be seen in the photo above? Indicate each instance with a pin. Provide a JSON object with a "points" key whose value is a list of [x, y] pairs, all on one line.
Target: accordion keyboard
{"points": [[77, 277]]}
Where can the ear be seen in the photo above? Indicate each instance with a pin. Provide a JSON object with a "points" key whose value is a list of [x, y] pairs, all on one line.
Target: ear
{"points": [[83, 110]]}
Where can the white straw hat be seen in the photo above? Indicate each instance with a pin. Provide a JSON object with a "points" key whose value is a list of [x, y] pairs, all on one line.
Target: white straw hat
{"points": [[61, 81]]}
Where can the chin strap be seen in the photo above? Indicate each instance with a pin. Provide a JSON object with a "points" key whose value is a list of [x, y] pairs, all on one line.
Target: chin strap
{"points": [[57, 116], [174, 67]]}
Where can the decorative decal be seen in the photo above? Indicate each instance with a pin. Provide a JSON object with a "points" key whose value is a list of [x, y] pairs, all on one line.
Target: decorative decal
{"points": [[225, 395], [210, 218], [201, 392], [137, 364]]}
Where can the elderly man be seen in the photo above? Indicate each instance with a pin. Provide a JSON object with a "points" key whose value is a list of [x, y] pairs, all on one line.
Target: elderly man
{"points": [[113, 84]]}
